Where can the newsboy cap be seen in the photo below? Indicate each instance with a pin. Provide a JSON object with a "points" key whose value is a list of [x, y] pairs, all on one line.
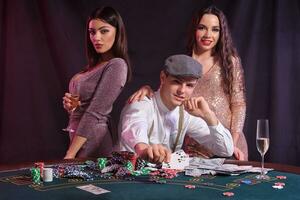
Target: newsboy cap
{"points": [[183, 65]]}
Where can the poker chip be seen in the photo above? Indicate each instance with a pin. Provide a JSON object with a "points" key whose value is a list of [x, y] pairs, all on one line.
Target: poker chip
{"points": [[228, 194], [281, 177], [195, 179], [161, 181], [61, 171], [154, 173], [190, 186], [122, 171], [277, 187], [102, 163], [110, 168], [136, 173], [140, 164], [279, 183], [153, 178], [145, 171], [128, 165], [39, 165], [247, 181]]}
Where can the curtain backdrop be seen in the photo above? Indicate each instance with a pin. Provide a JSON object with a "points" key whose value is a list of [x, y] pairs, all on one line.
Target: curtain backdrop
{"points": [[42, 44]]}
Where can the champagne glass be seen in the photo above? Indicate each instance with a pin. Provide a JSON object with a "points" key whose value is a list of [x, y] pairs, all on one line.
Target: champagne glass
{"points": [[74, 104], [262, 143]]}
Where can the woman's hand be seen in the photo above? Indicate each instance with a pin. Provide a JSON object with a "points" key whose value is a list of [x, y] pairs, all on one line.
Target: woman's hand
{"points": [[70, 102], [141, 93], [238, 154], [69, 156]]}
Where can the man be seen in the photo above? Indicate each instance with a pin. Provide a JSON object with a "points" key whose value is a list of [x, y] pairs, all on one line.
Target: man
{"points": [[155, 127]]}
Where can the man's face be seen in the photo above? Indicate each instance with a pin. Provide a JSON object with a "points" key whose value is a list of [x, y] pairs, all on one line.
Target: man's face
{"points": [[175, 91]]}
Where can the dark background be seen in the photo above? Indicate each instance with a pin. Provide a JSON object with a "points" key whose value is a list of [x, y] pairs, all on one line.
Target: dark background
{"points": [[42, 46]]}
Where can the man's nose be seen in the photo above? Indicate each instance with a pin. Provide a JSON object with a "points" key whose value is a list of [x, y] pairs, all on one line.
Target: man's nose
{"points": [[182, 88]]}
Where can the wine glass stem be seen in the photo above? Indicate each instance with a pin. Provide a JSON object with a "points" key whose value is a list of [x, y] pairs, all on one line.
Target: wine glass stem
{"points": [[262, 164]]}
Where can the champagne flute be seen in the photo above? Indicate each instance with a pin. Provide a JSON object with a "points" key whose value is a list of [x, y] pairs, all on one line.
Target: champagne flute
{"points": [[262, 143], [74, 104]]}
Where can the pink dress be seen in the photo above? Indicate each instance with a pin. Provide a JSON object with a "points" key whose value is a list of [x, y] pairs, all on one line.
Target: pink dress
{"points": [[230, 110], [98, 89]]}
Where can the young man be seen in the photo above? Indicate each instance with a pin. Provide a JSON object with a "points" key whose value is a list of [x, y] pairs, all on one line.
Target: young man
{"points": [[155, 127]]}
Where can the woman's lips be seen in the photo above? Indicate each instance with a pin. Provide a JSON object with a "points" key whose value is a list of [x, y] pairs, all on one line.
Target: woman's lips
{"points": [[206, 42], [98, 46]]}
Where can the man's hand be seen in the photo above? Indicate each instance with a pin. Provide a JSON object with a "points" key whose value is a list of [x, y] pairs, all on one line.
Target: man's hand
{"points": [[155, 153], [198, 107]]}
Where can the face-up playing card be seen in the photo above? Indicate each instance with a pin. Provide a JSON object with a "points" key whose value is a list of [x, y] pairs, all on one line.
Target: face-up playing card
{"points": [[179, 160], [93, 189]]}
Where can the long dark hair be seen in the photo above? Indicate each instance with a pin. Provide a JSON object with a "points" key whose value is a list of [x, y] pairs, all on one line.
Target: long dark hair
{"points": [[119, 48], [224, 48]]}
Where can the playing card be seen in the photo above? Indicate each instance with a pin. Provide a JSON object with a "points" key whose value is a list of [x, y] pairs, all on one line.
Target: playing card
{"points": [[179, 160], [93, 189]]}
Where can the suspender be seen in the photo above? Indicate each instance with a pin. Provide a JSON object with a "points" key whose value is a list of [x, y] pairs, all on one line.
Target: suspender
{"points": [[180, 124]]}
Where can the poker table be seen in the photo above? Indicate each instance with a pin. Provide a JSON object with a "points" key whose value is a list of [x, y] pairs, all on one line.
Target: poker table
{"points": [[15, 183]]}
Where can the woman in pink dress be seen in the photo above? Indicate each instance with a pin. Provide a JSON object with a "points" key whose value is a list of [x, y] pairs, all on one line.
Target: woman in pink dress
{"points": [[93, 91]]}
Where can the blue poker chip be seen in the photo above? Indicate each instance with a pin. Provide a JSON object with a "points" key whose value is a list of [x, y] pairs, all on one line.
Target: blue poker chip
{"points": [[246, 181]]}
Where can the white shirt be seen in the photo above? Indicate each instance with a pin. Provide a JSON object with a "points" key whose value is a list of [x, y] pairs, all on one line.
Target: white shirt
{"points": [[138, 117]]}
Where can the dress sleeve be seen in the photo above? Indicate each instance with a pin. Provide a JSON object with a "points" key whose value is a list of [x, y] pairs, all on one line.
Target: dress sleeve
{"points": [[108, 89], [237, 100]]}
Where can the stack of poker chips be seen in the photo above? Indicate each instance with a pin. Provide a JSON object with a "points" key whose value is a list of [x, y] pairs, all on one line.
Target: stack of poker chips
{"points": [[122, 157], [77, 171], [128, 165], [102, 163], [61, 171], [140, 164], [143, 171], [122, 171], [40, 165], [129, 156], [35, 175]]}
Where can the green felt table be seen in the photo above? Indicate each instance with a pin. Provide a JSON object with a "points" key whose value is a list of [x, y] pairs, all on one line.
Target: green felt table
{"points": [[16, 184]]}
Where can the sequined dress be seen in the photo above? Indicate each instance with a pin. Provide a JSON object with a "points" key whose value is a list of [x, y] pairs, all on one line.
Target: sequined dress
{"points": [[230, 110]]}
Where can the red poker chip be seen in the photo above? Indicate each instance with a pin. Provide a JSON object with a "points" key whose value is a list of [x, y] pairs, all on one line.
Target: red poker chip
{"points": [[190, 186], [228, 194], [279, 184], [281, 177]]}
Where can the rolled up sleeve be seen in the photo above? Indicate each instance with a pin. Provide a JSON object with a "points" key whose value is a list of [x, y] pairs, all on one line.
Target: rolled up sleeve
{"points": [[216, 138], [134, 125]]}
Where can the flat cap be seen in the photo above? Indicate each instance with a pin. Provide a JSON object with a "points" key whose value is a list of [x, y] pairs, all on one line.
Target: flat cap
{"points": [[183, 65]]}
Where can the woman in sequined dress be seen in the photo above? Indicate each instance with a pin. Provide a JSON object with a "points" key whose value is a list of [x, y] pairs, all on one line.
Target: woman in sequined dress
{"points": [[222, 83], [98, 86]]}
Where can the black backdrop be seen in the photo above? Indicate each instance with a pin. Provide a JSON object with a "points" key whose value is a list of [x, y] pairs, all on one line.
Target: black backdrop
{"points": [[42, 46]]}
